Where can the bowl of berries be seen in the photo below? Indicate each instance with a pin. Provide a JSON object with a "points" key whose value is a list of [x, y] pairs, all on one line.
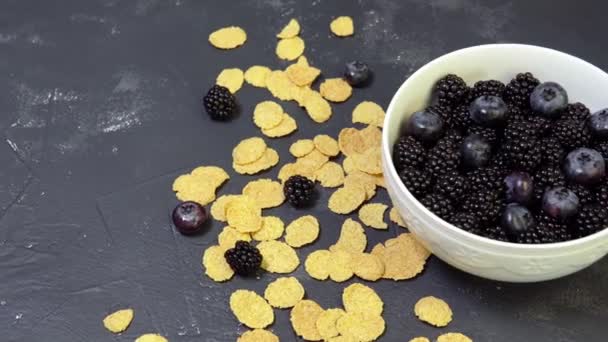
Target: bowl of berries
{"points": [[496, 158]]}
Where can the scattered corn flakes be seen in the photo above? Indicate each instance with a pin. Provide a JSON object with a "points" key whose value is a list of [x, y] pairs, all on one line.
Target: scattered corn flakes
{"points": [[362, 179], [316, 264], [287, 126], [199, 185], [251, 309], [244, 214], [278, 257], [403, 257], [304, 317], [272, 229], [301, 147], [346, 199], [326, 145], [326, 323], [312, 161], [151, 338], [228, 37], [420, 339], [340, 266], [229, 236], [218, 208], [349, 165], [352, 238], [380, 181], [118, 321], [267, 114], [284, 292], [269, 159], [363, 299], [342, 26], [290, 48], [350, 141], [248, 150], [256, 75], [341, 338], [301, 94], [290, 169], [372, 137], [433, 311], [372, 215], [317, 107], [330, 175], [258, 335], [215, 264], [368, 266], [265, 192], [231, 78], [302, 75], [302, 231], [335, 90], [279, 85], [453, 337], [394, 216], [361, 326], [290, 30], [215, 175], [369, 161], [370, 113]]}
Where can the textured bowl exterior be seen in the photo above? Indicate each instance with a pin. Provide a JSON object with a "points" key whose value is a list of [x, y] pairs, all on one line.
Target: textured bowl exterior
{"points": [[468, 252]]}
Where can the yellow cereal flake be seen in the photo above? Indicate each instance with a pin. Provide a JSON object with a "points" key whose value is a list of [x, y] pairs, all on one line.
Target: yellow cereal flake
{"points": [[284, 292], [362, 299], [342, 26], [290, 30], [291, 169], [335, 90], [368, 266], [189, 187], [256, 75], [215, 264], [341, 338], [301, 147], [330, 175], [372, 137], [302, 75], [269, 159], [453, 337], [420, 339], [350, 141], [361, 326], [303, 61], [231, 78], [265, 192], [279, 85], [287, 126], [370, 113], [301, 94], [362, 179], [151, 338], [346, 199], [348, 165], [251, 309], [433, 311], [326, 145], [228, 37], [278, 257], [302, 231], [352, 238], [394, 216], [290, 48], [372, 215], [249, 150], [303, 319], [340, 266], [218, 208], [316, 264], [229, 236], [403, 257], [317, 107], [272, 229], [380, 181], [244, 214], [369, 161], [215, 175], [311, 162], [267, 114], [326, 323], [118, 321], [258, 335]]}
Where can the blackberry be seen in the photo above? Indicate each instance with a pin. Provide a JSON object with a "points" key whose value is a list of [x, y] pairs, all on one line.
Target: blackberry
{"points": [[576, 111], [519, 129], [485, 204], [465, 221], [299, 191], [590, 219], [490, 87], [551, 230], [541, 125], [531, 236], [438, 204], [489, 134], [524, 154], [601, 194], [219, 103], [572, 133], [461, 118], [451, 185], [494, 232], [444, 112], [416, 181], [444, 156], [244, 259], [584, 194], [451, 90], [490, 177], [408, 152], [547, 177], [552, 151], [518, 91], [602, 147]]}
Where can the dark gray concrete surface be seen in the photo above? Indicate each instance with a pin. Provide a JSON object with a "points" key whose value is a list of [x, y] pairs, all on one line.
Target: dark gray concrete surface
{"points": [[100, 108]]}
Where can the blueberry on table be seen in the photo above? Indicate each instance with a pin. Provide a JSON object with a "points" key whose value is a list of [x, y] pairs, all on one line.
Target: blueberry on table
{"points": [[517, 219], [598, 122], [548, 99], [560, 203], [189, 217], [585, 166], [425, 126], [476, 151], [519, 188], [488, 110], [357, 73]]}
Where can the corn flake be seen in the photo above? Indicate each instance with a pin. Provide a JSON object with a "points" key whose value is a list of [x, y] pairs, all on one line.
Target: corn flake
{"points": [[403, 257], [317, 107], [340, 266], [287, 126], [258, 335], [215, 264], [330, 175], [302, 231], [251, 309], [453, 337], [290, 30], [342, 26], [302, 75], [352, 238], [372, 215], [278, 257], [312, 161], [215, 175], [326, 145], [316, 264], [284, 292], [335, 90], [326, 323], [151, 338], [301, 94], [228, 37], [272, 229], [369, 161], [301, 147], [269, 159], [249, 150], [256, 75], [370, 113], [303, 319], [368, 266], [349, 165], [420, 339], [218, 208], [231, 78], [347, 199], [362, 299], [372, 137], [341, 338], [291, 169], [193, 188], [433, 311], [279, 85], [290, 48], [351, 141], [265, 192], [244, 214], [361, 326], [229, 237], [362, 179], [394, 216], [267, 114], [118, 321]]}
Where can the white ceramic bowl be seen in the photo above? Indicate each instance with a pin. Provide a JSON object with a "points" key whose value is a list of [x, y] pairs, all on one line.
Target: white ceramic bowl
{"points": [[468, 252]]}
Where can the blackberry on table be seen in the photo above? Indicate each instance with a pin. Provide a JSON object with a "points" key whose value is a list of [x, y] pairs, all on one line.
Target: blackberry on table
{"points": [[489, 87], [485, 204], [408, 152], [576, 111], [452, 185], [219, 103], [465, 221], [299, 191], [451, 90], [590, 219], [519, 89], [244, 259], [438, 204], [415, 180], [552, 151], [572, 133], [547, 177], [487, 133], [444, 156]]}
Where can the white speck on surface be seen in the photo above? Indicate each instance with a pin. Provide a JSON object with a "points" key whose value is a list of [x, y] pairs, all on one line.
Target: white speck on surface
{"points": [[29, 103], [35, 39], [2, 302], [82, 17], [114, 149], [114, 30], [12, 145], [18, 316], [118, 121], [6, 38], [128, 81]]}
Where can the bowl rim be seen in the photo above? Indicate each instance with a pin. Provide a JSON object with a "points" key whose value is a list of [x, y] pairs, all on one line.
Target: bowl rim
{"points": [[386, 149]]}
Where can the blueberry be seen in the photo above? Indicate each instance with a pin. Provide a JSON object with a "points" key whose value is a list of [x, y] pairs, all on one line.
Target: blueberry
{"points": [[598, 122], [560, 203], [517, 219], [488, 110], [357, 73], [425, 126], [189, 217], [476, 151], [548, 99], [519, 187], [585, 166]]}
